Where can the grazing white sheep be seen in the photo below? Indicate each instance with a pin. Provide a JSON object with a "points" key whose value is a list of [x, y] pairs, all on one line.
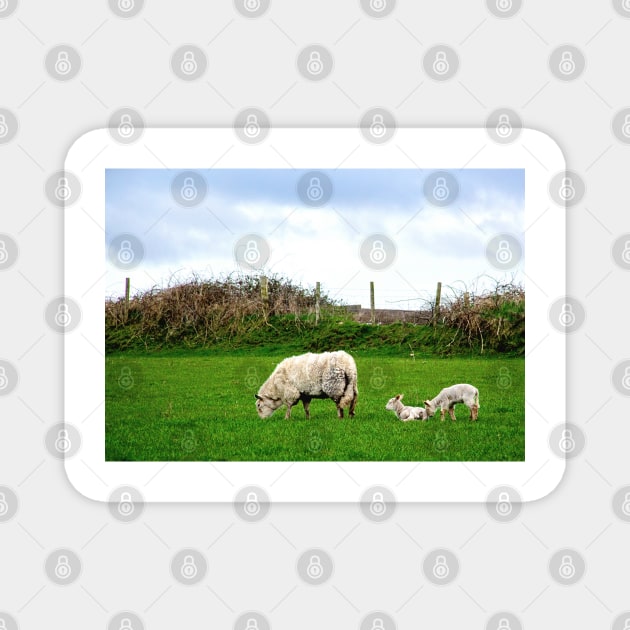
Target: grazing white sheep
{"points": [[307, 376], [404, 412], [450, 396]]}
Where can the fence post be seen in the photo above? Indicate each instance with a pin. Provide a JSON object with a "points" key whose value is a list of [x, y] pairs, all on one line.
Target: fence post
{"points": [[127, 293], [466, 300], [372, 313], [264, 294], [317, 296], [438, 297]]}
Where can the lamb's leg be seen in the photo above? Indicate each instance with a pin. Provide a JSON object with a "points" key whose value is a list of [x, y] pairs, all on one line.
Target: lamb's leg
{"points": [[287, 415], [442, 414], [339, 412], [307, 407], [451, 412], [474, 412]]}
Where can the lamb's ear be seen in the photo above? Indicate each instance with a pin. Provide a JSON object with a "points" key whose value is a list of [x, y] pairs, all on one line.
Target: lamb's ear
{"points": [[258, 397], [427, 402], [399, 397]]}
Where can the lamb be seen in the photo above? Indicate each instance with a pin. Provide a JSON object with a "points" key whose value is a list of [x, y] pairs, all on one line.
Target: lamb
{"points": [[450, 396], [404, 412], [307, 376]]}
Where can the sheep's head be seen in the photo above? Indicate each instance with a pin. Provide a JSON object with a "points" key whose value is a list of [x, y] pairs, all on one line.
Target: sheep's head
{"points": [[429, 408], [266, 406], [391, 403]]}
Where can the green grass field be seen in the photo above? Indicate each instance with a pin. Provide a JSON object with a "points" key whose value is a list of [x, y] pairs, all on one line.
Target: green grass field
{"points": [[194, 406]]}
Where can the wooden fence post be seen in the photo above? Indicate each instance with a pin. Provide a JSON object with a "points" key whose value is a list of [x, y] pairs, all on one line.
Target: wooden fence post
{"points": [[438, 297], [317, 296], [127, 293], [264, 294], [372, 313]]}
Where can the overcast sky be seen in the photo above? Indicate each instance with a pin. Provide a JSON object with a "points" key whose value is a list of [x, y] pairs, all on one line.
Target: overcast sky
{"points": [[310, 244]]}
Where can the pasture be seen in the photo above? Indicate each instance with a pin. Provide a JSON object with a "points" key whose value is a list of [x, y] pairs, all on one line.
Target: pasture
{"points": [[199, 406]]}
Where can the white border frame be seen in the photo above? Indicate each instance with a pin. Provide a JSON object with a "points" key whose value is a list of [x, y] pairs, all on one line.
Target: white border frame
{"points": [[84, 365]]}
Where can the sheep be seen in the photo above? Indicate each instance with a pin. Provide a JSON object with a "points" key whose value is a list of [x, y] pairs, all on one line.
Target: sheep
{"points": [[307, 376], [404, 412], [450, 396]]}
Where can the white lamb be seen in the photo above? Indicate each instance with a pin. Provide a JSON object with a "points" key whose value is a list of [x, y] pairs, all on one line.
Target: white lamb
{"points": [[450, 396], [307, 376], [404, 412]]}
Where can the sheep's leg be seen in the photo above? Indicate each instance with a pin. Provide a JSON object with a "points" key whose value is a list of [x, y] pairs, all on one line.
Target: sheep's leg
{"points": [[451, 412], [339, 412], [307, 407], [353, 404], [442, 414], [474, 412], [287, 415]]}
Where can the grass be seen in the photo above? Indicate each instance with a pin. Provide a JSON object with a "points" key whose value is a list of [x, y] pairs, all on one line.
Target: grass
{"points": [[199, 406]]}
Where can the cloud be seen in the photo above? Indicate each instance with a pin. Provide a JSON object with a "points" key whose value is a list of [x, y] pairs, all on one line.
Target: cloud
{"points": [[317, 244]]}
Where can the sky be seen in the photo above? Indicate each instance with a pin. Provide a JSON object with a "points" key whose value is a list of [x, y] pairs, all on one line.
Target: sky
{"points": [[309, 244]]}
